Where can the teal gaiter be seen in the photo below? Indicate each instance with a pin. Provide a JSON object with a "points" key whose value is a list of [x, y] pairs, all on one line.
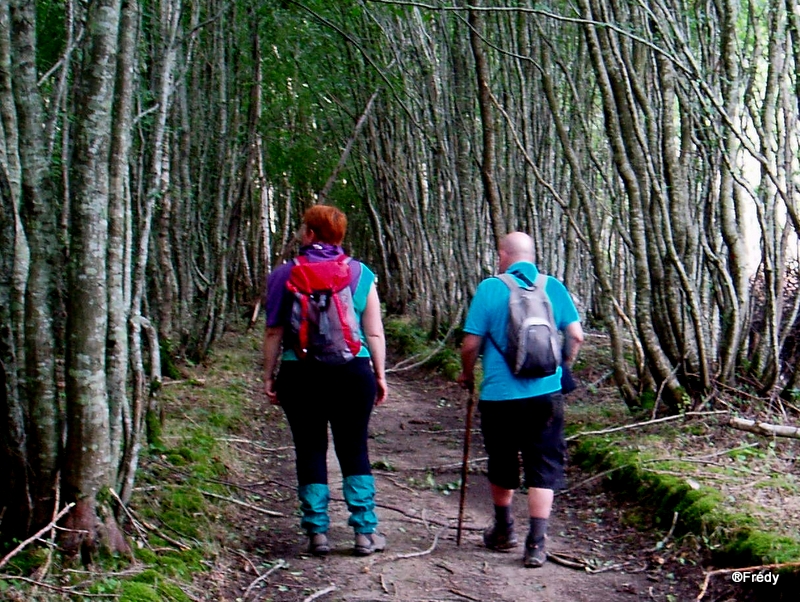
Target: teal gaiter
{"points": [[314, 500], [359, 495]]}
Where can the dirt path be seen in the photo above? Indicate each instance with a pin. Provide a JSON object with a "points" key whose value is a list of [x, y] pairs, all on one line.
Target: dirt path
{"points": [[416, 445]]}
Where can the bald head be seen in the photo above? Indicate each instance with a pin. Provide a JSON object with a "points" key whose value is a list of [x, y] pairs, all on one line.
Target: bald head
{"points": [[514, 247]]}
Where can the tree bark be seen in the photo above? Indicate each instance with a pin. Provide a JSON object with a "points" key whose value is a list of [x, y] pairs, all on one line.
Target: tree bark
{"points": [[38, 220], [87, 466]]}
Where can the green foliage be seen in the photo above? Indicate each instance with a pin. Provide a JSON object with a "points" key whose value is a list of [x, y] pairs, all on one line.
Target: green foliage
{"points": [[50, 32], [407, 339]]}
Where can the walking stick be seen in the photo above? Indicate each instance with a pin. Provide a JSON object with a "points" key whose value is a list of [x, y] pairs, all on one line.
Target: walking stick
{"points": [[465, 464]]}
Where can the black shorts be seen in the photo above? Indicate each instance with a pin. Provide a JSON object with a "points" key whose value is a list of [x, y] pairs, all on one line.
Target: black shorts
{"points": [[532, 427]]}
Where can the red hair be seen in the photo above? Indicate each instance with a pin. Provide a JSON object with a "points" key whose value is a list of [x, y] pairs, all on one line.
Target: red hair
{"points": [[327, 223]]}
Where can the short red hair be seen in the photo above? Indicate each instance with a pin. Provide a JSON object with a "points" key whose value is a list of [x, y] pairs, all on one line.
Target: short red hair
{"points": [[327, 223]]}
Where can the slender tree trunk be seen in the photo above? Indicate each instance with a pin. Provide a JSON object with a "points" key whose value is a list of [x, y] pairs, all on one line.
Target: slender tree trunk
{"points": [[484, 101], [118, 244], [38, 220]]}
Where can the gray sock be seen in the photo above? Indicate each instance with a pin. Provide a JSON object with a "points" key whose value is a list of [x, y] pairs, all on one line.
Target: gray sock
{"points": [[502, 515], [538, 529]]}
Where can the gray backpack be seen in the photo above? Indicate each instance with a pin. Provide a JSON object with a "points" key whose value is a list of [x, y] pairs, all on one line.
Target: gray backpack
{"points": [[533, 348]]}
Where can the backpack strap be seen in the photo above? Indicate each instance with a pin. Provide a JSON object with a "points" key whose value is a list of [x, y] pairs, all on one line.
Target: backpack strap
{"points": [[510, 282]]}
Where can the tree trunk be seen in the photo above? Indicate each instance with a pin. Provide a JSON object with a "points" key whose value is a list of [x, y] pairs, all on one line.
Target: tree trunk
{"points": [[484, 101], [38, 220], [87, 466]]}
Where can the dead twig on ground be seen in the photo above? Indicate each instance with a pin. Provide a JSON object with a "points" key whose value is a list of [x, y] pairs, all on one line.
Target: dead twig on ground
{"points": [[664, 541], [260, 446], [136, 524], [417, 519], [241, 503], [444, 466], [423, 553], [463, 595], [403, 365], [581, 564], [394, 482], [139, 524], [320, 593], [36, 535], [278, 565], [635, 425], [69, 591]]}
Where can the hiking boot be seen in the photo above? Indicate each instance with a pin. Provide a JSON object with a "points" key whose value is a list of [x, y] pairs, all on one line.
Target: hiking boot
{"points": [[500, 539], [367, 543], [535, 555], [318, 544]]}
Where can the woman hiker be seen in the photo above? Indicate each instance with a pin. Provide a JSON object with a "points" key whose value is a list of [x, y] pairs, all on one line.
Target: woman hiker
{"points": [[336, 383]]}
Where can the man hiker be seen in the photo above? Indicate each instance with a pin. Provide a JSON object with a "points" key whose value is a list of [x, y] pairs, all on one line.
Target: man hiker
{"points": [[519, 414]]}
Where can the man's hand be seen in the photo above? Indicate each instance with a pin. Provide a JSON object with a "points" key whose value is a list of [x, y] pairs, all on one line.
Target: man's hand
{"points": [[466, 381]]}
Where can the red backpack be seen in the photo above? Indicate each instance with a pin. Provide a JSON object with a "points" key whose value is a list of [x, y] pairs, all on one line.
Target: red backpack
{"points": [[323, 323]]}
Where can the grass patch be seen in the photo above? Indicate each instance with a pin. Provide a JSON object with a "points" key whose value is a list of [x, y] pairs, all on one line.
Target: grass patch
{"points": [[407, 339]]}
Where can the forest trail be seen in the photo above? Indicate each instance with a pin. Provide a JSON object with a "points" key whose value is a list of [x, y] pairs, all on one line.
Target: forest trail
{"points": [[416, 446]]}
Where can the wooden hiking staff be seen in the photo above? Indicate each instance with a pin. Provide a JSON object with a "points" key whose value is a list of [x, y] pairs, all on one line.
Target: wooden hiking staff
{"points": [[465, 463]]}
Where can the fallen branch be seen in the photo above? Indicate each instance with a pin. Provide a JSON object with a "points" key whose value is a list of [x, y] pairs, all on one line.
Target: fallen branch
{"points": [[424, 552], [764, 428], [139, 524], [69, 591], [567, 561], [36, 535], [463, 595], [320, 593], [241, 503], [581, 564], [747, 569], [280, 564], [664, 541], [260, 446], [136, 524], [443, 466], [645, 423]]}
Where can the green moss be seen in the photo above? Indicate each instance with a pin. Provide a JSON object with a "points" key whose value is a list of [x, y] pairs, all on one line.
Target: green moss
{"points": [[133, 591], [170, 592], [145, 555], [700, 510], [749, 546], [150, 576]]}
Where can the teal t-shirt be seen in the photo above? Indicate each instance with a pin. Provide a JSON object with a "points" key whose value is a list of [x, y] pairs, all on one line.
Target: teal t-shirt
{"points": [[488, 314]]}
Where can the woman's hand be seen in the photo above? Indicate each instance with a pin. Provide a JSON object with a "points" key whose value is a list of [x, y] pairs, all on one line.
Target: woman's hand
{"points": [[269, 389], [383, 390]]}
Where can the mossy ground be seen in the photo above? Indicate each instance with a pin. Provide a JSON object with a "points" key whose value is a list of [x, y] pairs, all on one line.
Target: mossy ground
{"points": [[735, 491]]}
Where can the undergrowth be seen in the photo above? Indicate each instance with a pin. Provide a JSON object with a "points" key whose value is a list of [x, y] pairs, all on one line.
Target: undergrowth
{"points": [[412, 345], [174, 520]]}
